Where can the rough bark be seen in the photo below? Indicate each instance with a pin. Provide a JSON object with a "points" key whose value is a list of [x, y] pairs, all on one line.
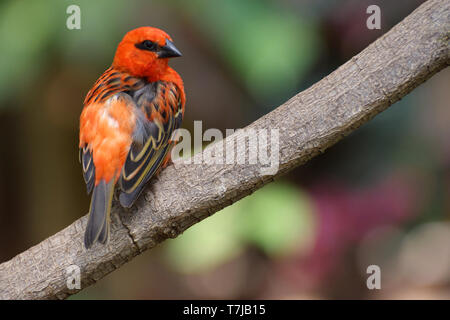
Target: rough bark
{"points": [[182, 195]]}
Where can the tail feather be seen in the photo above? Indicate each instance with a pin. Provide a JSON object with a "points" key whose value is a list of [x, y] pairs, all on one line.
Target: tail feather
{"points": [[104, 234], [97, 228]]}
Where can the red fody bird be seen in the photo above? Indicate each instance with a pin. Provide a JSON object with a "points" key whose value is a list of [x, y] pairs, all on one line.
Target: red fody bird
{"points": [[127, 122]]}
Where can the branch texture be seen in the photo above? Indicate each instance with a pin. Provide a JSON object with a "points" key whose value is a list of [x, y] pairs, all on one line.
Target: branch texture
{"points": [[184, 194]]}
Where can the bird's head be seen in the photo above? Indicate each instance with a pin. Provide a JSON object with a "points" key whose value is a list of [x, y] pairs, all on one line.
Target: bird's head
{"points": [[144, 52]]}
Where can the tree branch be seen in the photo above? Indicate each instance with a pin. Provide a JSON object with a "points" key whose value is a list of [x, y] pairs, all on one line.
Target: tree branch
{"points": [[184, 194]]}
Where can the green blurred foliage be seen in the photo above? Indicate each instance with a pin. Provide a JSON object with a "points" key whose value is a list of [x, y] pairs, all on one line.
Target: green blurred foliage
{"points": [[32, 31], [25, 38], [268, 47], [103, 23], [277, 219]]}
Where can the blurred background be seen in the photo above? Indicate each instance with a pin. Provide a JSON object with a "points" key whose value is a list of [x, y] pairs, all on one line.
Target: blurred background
{"points": [[381, 196]]}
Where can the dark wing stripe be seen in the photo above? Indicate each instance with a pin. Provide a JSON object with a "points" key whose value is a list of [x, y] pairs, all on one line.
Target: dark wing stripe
{"points": [[88, 168], [127, 198], [139, 154], [149, 166], [178, 118], [113, 80], [110, 83], [140, 157], [168, 129], [131, 170], [91, 179]]}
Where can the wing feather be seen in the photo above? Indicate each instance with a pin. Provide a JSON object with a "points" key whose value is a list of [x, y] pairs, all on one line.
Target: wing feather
{"points": [[157, 101], [88, 168]]}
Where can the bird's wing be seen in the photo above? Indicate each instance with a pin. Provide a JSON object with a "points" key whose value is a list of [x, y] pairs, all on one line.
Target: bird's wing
{"points": [[88, 167], [110, 83], [161, 109]]}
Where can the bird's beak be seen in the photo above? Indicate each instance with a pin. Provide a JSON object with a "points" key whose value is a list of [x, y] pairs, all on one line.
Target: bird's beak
{"points": [[169, 50]]}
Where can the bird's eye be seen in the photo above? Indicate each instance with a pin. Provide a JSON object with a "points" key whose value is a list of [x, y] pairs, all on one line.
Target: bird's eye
{"points": [[147, 45], [150, 45]]}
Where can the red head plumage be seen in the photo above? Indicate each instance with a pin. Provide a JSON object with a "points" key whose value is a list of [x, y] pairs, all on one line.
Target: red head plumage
{"points": [[144, 52]]}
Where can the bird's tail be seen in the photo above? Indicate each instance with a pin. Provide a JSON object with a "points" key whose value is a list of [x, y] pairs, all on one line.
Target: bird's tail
{"points": [[97, 228]]}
